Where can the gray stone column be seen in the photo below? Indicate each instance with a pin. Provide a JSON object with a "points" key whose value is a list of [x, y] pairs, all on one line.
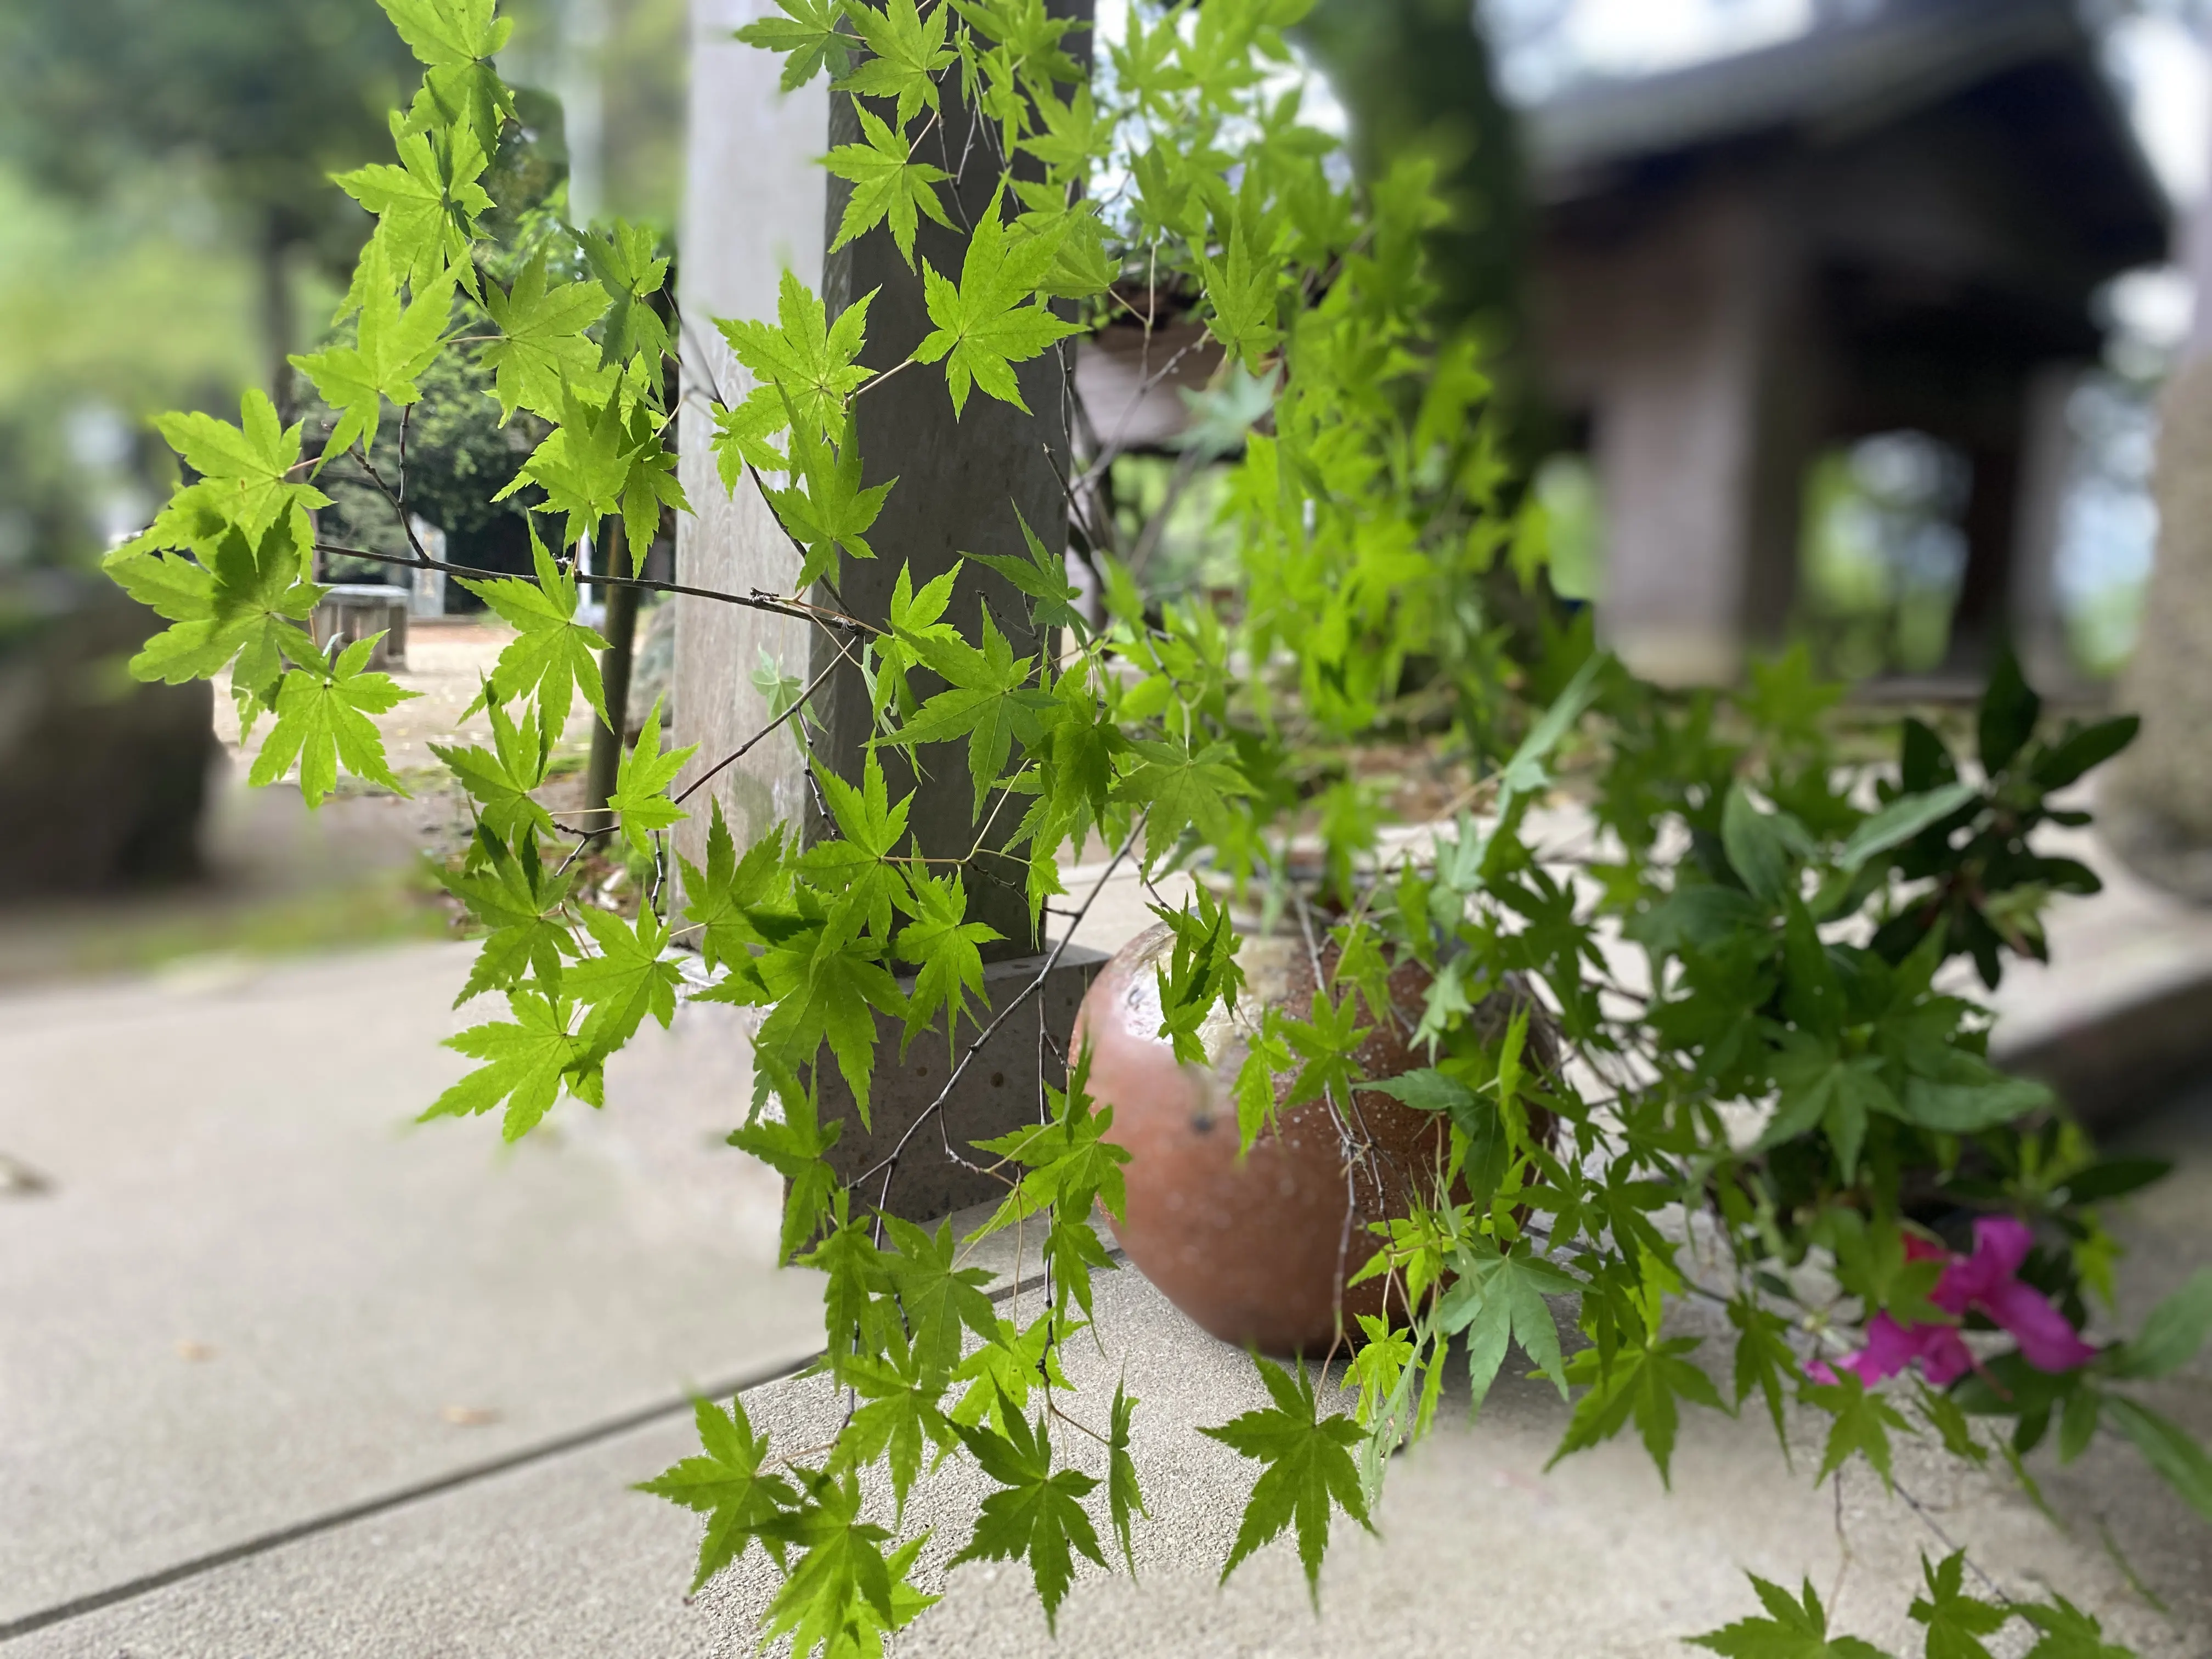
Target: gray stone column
{"points": [[754, 200], [756, 203], [962, 482], [2157, 797], [1704, 424]]}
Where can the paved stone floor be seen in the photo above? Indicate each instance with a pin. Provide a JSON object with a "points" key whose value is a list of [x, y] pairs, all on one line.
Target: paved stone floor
{"points": [[283, 1375]]}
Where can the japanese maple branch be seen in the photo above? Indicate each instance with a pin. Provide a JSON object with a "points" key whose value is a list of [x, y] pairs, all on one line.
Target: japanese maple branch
{"points": [[797, 609]]}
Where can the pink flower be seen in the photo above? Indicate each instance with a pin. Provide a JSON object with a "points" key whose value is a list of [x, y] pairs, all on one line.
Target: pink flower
{"points": [[1989, 1281]]}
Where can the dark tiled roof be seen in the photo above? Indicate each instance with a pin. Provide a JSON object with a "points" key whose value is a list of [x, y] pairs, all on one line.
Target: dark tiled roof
{"points": [[1838, 77]]}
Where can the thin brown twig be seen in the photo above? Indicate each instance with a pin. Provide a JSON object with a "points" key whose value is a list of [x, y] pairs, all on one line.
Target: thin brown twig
{"points": [[799, 610], [738, 754], [888, 1164]]}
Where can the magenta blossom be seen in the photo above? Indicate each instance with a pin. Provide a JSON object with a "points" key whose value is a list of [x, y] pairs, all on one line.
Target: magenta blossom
{"points": [[1987, 1281]]}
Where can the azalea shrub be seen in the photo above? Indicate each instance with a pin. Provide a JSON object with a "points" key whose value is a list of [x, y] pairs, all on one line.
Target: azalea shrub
{"points": [[1764, 1090]]}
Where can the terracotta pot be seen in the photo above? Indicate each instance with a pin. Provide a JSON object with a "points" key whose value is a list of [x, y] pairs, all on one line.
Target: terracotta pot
{"points": [[1256, 1252]]}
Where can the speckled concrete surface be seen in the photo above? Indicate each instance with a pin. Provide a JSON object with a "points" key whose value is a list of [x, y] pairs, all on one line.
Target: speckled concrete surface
{"points": [[252, 1292]]}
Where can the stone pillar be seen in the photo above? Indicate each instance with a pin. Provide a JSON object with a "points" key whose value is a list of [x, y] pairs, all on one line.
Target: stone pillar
{"points": [[966, 484], [2157, 798], [1705, 417], [754, 202]]}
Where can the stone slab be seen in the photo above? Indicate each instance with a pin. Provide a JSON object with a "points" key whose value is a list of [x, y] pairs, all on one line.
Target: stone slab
{"points": [[251, 1292]]}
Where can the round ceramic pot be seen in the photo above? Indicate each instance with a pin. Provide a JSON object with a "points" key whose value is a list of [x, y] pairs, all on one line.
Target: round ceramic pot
{"points": [[1256, 1250]]}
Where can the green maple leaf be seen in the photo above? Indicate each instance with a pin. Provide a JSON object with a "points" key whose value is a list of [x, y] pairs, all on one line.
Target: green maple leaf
{"points": [[1764, 1361], [1073, 135], [904, 1410], [1242, 289], [907, 53], [640, 792], [808, 36], [827, 991], [1001, 1371], [1329, 1044], [600, 461], [1956, 1622], [1818, 1088], [803, 357], [1037, 1513], [1067, 1162], [502, 779], [827, 515], [1180, 788], [946, 944], [2069, 1633], [861, 864], [887, 184], [938, 1298], [1501, 1297], [456, 39], [725, 1483], [915, 617], [552, 655], [841, 1579], [1863, 1420], [426, 206], [722, 900], [246, 604], [525, 1062], [629, 979], [1794, 1630], [1643, 1382], [444, 33], [1268, 1056], [512, 893], [742, 436], [391, 348], [1308, 1472], [542, 348], [795, 1146], [245, 469], [323, 717], [1125, 1498], [993, 319], [1044, 579], [989, 701], [625, 258]]}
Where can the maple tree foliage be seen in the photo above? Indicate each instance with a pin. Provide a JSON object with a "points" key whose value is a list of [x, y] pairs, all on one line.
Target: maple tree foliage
{"points": [[1791, 962]]}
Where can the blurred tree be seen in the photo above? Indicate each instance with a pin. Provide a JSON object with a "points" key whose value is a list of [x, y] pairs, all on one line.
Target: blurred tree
{"points": [[1418, 73], [271, 95]]}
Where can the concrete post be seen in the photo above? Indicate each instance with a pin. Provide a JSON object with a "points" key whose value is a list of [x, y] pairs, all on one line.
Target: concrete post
{"points": [[1705, 416], [2157, 798], [754, 203]]}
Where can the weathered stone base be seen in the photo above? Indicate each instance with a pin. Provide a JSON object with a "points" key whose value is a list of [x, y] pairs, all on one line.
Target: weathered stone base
{"points": [[999, 1091]]}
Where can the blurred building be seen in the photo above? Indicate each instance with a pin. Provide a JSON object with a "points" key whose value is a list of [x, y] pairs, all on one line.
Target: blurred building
{"points": [[1898, 220]]}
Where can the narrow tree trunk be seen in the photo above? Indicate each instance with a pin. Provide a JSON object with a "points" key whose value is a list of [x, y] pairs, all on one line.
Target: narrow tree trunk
{"points": [[620, 631], [275, 275]]}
